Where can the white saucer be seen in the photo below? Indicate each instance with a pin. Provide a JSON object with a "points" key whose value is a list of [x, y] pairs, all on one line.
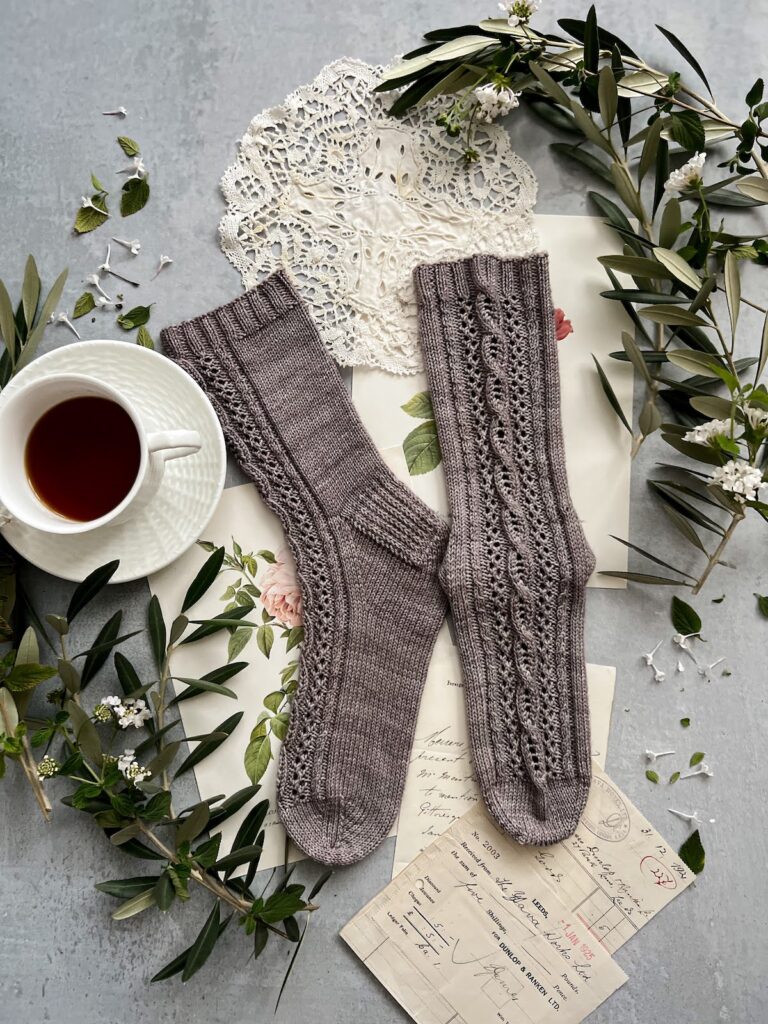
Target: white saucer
{"points": [[165, 397]]}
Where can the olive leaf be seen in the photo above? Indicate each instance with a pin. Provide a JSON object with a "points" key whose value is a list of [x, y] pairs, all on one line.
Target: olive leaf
{"points": [[92, 585]]}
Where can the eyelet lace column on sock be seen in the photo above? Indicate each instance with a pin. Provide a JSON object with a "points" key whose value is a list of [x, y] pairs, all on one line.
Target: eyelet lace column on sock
{"points": [[367, 553], [517, 562]]}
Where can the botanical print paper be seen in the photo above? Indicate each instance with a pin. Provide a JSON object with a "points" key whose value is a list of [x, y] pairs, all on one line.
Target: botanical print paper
{"points": [[243, 516], [597, 446], [441, 785]]}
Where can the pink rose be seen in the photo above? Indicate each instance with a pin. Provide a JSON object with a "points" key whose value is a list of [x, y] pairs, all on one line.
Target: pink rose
{"points": [[563, 327], [280, 591]]}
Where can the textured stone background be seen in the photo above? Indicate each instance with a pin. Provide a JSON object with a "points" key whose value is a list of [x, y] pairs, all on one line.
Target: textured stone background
{"points": [[192, 73]]}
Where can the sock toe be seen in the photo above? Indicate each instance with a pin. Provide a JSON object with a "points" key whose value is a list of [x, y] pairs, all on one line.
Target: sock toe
{"points": [[337, 831], [514, 807]]}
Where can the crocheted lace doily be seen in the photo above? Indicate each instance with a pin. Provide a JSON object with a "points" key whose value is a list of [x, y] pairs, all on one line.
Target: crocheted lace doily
{"points": [[346, 198]]}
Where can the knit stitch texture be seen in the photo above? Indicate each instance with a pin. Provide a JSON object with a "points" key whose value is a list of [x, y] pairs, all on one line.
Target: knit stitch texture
{"points": [[517, 561], [367, 553]]}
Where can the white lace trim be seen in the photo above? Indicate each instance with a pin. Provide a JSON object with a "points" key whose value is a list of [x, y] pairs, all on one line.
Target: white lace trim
{"points": [[331, 188]]}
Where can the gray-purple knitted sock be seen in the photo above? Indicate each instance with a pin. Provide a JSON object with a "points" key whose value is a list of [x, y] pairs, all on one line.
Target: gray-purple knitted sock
{"points": [[517, 561], [367, 552]]}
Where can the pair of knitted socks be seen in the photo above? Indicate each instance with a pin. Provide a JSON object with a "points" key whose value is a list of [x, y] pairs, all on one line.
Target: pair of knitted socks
{"points": [[375, 564]]}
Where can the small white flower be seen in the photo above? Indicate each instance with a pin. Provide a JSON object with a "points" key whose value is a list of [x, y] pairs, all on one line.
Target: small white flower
{"points": [[659, 675], [682, 640], [130, 768], [519, 12], [47, 768], [739, 479], [88, 204], [133, 246], [494, 101], [105, 267], [103, 303], [693, 818], [704, 432], [133, 712], [62, 318], [136, 169], [758, 418], [700, 769], [651, 755], [120, 112], [705, 670], [688, 174], [94, 280], [114, 702], [165, 261]]}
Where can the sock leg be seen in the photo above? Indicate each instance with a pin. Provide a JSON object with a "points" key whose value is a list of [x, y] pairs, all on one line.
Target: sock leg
{"points": [[367, 553], [517, 561]]}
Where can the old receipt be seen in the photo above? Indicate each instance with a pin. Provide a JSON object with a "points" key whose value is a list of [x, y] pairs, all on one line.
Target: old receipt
{"points": [[458, 937], [441, 785], [435, 935]]}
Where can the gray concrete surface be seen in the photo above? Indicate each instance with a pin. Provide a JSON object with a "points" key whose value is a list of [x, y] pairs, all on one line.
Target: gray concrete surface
{"points": [[192, 74]]}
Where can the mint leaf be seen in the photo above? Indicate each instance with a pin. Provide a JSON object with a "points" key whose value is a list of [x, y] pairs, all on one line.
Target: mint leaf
{"points": [[673, 778], [684, 618], [128, 146], [135, 317], [135, 196], [144, 338], [696, 758], [97, 184], [88, 219], [685, 722], [762, 605], [692, 854], [84, 305], [652, 776]]}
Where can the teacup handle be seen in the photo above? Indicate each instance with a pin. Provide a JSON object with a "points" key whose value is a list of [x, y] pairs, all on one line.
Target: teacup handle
{"points": [[174, 444]]}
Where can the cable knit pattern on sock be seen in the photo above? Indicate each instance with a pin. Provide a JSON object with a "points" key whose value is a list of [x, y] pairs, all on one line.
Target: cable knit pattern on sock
{"points": [[367, 553], [517, 562]]}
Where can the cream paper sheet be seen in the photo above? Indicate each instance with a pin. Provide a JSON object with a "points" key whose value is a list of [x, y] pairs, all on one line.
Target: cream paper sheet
{"points": [[478, 929], [596, 445]]}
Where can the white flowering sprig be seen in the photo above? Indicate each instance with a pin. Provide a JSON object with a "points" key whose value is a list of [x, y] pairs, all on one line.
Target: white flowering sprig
{"points": [[629, 122]]}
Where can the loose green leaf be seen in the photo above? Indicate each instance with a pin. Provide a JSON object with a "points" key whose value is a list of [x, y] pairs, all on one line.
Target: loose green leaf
{"points": [[84, 305], [92, 585], [204, 578], [135, 196], [685, 722], [685, 619], [692, 854], [128, 146], [135, 317], [762, 605], [696, 758], [88, 218], [144, 338], [652, 776], [673, 778]]}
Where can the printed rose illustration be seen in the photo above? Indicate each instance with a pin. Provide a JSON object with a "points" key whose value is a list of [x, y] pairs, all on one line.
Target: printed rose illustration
{"points": [[280, 593], [563, 327]]}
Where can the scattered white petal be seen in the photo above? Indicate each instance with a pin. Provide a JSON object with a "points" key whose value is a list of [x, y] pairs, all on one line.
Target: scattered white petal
{"points": [[120, 112], [62, 318], [133, 246]]}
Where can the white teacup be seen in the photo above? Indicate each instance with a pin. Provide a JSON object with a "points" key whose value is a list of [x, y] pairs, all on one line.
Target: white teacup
{"points": [[19, 413]]}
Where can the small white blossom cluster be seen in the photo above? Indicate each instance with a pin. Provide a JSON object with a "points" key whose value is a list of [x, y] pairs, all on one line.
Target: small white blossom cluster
{"points": [[704, 432], [47, 768], [128, 712], [494, 101], [758, 418], [520, 12], [739, 479], [130, 768], [687, 175]]}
